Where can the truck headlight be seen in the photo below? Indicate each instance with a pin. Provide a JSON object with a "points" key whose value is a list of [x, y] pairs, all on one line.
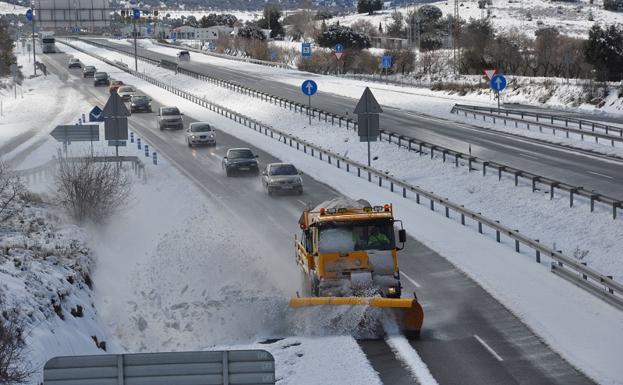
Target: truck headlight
{"points": [[391, 290]]}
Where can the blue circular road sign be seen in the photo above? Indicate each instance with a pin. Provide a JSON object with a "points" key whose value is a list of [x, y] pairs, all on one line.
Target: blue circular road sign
{"points": [[498, 83], [29, 15], [309, 87], [339, 48], [136, 14]]}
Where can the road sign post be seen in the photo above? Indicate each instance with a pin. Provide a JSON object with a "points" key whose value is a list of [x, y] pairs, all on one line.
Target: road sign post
{"points": [[368, 110], [115, 120], [387, 63], [136, 14], [339, 51], [309, 87], [306, 49], [498, 83], [30, 16], [76, 133]]}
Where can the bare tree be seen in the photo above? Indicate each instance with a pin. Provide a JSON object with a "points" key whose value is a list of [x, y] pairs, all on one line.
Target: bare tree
{"points": [[10, 189], [91, 190], [365, 27], [14, 368]]}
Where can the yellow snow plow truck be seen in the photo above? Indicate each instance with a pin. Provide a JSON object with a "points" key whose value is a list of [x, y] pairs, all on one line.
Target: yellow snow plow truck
{"points": [[348, 254]]}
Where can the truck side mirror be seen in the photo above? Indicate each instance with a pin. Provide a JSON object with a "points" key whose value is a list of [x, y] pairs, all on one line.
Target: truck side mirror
{"points": [[402, 235]]}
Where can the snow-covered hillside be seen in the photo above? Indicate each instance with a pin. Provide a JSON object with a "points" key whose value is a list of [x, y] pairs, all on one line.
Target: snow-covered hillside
{"points": [[11, 8], [571, 18], [46, 279]]}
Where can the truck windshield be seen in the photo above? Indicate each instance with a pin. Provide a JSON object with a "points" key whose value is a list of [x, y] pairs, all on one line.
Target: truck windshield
{"points": [[336, 237]]}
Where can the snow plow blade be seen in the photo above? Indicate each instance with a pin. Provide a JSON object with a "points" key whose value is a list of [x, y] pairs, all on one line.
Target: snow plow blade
{"points": [[409, 313]]}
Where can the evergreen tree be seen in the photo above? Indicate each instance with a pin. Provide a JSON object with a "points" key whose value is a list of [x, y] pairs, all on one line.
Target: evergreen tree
{"points": [[604, 50], [6, 49]]}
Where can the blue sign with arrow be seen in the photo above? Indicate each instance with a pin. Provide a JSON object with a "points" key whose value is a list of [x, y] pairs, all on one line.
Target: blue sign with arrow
{"points": [[306, 49], [96, 115], [387, 61], [339, 48], [29, 15], [498, 83], [136, 13], [309, 87]]}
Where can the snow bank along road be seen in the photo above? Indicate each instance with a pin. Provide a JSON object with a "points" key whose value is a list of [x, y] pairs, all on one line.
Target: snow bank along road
{"points": [[545, 159], [469, 338]]}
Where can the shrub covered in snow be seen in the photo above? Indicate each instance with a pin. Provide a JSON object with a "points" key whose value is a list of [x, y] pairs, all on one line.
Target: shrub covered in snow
{"points": [[91, 190], [344, 35]]}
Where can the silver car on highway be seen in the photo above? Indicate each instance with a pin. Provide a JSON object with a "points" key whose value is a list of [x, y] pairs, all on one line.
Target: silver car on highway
{"points": [[282, 177], [170, 117], [200, 133]]}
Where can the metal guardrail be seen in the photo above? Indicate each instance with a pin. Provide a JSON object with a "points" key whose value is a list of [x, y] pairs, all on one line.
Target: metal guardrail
{"points": [[408, 142], [580, 123], [493, 114], [225, 56], [228, 367], [39, 171], [589, 279]]}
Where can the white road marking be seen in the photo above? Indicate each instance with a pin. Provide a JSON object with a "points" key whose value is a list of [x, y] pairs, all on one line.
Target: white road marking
{"points": [[497, 356], [598, 174], [301, 202], [528, 156], [410, 280]]}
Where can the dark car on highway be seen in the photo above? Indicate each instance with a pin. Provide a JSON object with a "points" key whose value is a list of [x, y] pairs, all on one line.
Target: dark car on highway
{"points": [[101, 79], [88, 71], [240, 159], [140, 103]]}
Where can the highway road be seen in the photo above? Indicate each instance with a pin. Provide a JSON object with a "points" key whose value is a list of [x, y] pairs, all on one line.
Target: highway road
{"points": [[584, 170], [468, 337]]}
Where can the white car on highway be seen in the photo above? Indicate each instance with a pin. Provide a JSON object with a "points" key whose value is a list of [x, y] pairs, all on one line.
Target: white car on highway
{"points": [[200, 133], [126, 92]]}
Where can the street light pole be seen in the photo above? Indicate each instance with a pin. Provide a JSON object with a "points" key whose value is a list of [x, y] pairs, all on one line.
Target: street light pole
{"points": [[135, 50], [34, 57]]}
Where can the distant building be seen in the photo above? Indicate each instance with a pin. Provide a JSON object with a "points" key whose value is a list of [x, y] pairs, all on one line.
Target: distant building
{"points": [[186, 32], [388, 42]]}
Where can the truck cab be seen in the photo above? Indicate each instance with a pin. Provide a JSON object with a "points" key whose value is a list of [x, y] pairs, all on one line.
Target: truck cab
{"points": [[350, 250]]}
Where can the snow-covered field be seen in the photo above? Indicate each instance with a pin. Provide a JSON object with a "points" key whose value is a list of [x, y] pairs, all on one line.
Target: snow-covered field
{"points": [[11, 8], [551, 221], [571, 18]]}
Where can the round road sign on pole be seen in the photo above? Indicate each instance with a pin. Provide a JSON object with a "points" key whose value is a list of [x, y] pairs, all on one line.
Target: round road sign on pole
{"points": [[29, 15], [498, 83], [136, 14], [339, 48], [309, 87]]}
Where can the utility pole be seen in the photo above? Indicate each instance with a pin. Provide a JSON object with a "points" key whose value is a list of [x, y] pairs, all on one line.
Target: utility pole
{"points": [[456, 49], [34, 56], [135, 50]]}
